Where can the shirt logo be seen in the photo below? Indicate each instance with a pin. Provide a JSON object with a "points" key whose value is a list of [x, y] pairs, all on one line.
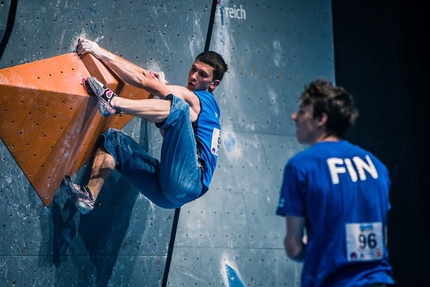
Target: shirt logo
{"points": [[356, 168]]}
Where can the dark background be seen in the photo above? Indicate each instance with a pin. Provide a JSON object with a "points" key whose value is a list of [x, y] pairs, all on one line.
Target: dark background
{"points": [[380, 51]]}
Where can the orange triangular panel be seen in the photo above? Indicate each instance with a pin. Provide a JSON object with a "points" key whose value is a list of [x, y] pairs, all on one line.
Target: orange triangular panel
{"points": [[48, 121]]}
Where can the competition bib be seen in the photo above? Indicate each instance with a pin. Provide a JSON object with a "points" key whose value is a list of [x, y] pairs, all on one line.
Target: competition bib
{"points": [[364, 241], [216, 139]]}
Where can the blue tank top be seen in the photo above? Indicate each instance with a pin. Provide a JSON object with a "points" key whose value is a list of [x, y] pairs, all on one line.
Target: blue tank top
{"points": [[207, 130]]}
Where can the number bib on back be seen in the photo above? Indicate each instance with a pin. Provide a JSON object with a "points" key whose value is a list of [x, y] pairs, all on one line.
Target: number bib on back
{"points": [[364, 241]]}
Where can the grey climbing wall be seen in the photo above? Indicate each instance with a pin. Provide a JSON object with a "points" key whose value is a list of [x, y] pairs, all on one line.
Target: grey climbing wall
{"points": [[231, 236]]}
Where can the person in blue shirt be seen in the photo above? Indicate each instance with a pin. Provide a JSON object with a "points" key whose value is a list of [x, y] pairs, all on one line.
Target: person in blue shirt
{"points": [[335, 196], [188, 118]]}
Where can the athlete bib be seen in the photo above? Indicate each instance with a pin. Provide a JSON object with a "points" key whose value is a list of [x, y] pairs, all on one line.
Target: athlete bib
{"points": [[364, 241]]}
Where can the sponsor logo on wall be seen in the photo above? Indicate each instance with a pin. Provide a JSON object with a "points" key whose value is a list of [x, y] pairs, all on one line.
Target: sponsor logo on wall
{"points": [[230, 12]]}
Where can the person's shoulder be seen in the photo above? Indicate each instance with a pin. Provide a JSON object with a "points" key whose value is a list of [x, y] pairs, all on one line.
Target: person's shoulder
{"points": [[208, 98], [302, 156], [374, 157], [314, 152], [363, 152], [357, 148], [182, 92], [205, 94]]}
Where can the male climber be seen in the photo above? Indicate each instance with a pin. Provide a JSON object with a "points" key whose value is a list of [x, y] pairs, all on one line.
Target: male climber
{"points": [[188, 118]]}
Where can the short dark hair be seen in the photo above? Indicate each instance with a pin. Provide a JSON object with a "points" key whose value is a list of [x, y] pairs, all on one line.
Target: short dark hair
{"points": [[214, 60], [334, 101]]}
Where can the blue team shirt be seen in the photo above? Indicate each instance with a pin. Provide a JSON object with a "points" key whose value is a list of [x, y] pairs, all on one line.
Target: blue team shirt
{"points": [[339, 187], [207, 130]]}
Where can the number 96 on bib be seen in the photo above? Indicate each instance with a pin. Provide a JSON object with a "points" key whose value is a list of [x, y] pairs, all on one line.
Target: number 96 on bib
{"points": [[364, 241]]}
